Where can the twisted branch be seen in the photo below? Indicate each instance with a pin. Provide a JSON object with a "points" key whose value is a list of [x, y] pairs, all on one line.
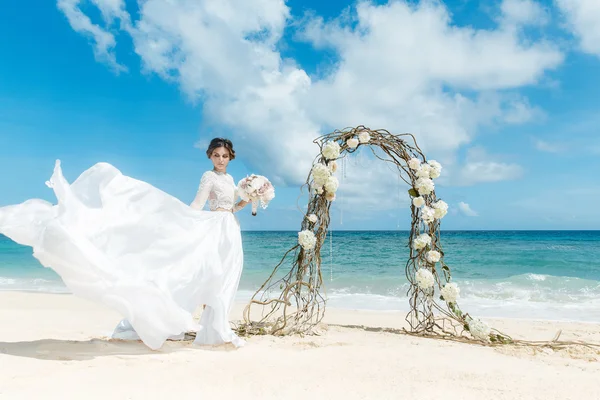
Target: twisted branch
{"points": [[300, 305]]}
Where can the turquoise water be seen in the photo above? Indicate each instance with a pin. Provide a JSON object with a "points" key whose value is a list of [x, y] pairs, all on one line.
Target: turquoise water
{"points": [[529, 274]]}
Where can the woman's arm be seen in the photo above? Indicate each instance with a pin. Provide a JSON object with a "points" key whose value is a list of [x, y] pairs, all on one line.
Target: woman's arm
{"points": [[204, 189], [240, 205]]}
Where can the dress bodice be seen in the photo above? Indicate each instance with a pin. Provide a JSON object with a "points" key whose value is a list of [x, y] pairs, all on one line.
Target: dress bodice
{"points": [[218, 188]]}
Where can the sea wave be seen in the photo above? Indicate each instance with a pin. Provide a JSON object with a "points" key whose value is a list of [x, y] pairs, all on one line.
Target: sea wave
{"points": [[533, 296], [529, 295], [32, 285]]}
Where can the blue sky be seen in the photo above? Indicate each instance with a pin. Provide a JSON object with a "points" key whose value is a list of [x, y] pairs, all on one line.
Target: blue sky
{"points": [[523, 154]]}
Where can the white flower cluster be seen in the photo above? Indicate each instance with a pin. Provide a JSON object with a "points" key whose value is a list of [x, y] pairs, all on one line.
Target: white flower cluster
{"points": [[331, 150], [421, 241], [331, 184], [363, 137], [324, 181], [332, 166], [320, 173], [256, 189], [438, 210], [450, 292], [418, 201], [427, 214], [479, 329], [424, 278], [307, 239], [352, 143], [425, 173], [435, 170], [312, 218], [424, 186], [433, 256]]}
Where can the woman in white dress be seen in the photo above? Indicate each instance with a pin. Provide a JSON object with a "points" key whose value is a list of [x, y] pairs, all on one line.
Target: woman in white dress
{"points": [[140, 251]]}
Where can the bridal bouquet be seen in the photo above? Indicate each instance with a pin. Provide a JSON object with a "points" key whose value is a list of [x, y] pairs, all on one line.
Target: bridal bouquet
{"points": [[256, 189]]}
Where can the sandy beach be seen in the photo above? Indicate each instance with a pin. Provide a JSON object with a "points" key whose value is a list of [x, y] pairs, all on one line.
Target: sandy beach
{"points": [[56, 347]]}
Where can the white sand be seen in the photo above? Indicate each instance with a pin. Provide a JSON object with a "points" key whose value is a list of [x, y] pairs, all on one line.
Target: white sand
{"points": [[55, 347]]}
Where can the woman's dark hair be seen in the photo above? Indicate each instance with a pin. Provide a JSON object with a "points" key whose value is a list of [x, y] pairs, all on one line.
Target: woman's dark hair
{"points": [[220, 142]]}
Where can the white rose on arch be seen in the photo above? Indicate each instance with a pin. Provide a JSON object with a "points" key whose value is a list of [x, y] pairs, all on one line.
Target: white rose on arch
{"points": [[421, 241], [436, 169], [433, 256], [331, 150], [414, 163], [332, 166], [479, 329], [312, 218], [332, 184], [427, 214], [330, 196], [424, 279], [320, 173], [418, 201], [440, 209], [307, 239], [424, 186], [450, 292], [352, 143], [424, 171], [364, 137]]}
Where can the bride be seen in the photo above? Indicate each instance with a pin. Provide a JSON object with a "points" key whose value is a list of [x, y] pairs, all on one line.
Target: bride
{"points": [[136, 249]]}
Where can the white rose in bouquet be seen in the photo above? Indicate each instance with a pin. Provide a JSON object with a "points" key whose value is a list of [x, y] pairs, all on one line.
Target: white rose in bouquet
{"points": [[256, 189]]}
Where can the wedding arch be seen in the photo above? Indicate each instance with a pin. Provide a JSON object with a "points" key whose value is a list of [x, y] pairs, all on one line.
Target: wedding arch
{"points": [[293, 301]]}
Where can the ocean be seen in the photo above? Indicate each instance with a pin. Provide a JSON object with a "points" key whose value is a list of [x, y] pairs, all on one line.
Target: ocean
{"points": [[552, 275]]}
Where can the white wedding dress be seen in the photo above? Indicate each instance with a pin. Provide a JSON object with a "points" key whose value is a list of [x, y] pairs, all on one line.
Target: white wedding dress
{"points": [[128, 245]]}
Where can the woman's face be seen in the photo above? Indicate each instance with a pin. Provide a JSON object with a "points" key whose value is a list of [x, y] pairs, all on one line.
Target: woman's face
{"points": [[220, 158]]}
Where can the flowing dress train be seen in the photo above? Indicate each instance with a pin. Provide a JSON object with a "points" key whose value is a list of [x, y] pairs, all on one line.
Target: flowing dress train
{"points": [[123, 243]]}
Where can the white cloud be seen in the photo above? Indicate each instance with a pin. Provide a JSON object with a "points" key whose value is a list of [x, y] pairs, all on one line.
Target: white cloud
{"points": [[481, 167], [400, 66], [519, 111], [583, 19], [547, 147], [104, 41], [526, 12], [467, 210]]}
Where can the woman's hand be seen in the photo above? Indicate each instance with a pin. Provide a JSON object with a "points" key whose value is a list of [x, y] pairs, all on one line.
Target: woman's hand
{"points": [[239, 206]]}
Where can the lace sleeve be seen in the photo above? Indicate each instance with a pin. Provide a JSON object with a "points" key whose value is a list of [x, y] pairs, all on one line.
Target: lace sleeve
{"points": [[236, 206], [206, 185]]}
